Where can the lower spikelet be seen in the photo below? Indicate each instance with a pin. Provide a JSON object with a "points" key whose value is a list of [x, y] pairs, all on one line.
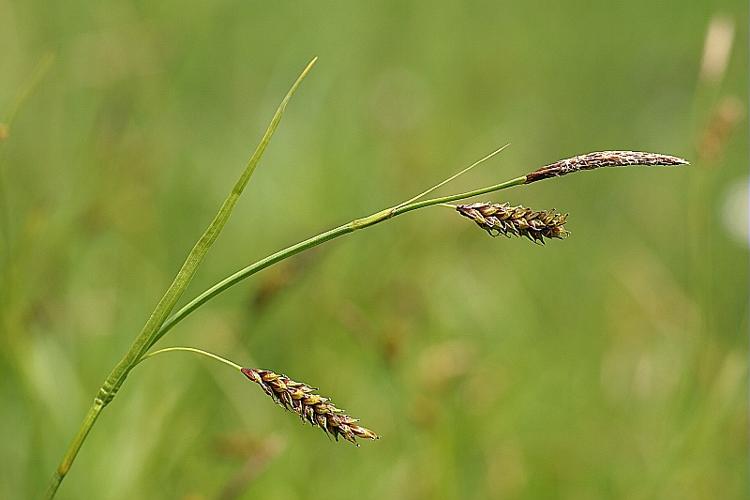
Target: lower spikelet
{"points": [[600, 159], [496, 218], [313, 408]]}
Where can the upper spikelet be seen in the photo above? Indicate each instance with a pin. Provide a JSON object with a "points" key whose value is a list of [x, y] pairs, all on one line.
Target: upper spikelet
{"points": [[313, 408], [599, 159], [501, 218]]}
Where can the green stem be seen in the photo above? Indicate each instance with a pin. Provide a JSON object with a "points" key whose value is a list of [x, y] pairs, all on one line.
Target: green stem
{"points": [[194, 350], [461, 196], [452, 177], [95, 410], [150, 331], [80, 437], [159, 323], [316, 240]]}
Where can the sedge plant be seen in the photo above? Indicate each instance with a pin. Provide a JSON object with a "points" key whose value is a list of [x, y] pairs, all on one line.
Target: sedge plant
{"points": [[298, 397]]}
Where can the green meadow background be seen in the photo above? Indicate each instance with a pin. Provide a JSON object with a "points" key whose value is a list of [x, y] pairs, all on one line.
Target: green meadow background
{"points": [[609, 365]]}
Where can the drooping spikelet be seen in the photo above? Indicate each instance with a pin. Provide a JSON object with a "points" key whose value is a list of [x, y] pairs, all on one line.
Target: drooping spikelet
{"points": [[501, 218], [602, 159], [313, 408]]}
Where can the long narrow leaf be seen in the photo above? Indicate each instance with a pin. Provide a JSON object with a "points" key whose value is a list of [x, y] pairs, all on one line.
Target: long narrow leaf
{"points": [[168, 301]]}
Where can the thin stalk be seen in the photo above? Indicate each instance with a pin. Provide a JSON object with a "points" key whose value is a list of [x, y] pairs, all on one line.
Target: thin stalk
{"points": [[453, 177], [462, 196], [150, 331], [316, 240], [193, 350]]}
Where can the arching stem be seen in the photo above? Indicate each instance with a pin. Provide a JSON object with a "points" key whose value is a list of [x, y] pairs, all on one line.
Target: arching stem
{"points": [[193, 350]]}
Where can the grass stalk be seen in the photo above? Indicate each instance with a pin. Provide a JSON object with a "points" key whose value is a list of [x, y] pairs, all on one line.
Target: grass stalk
{"points": [[315, 409], [193, 350], [589, 161], [146, 337], [319, 239]]}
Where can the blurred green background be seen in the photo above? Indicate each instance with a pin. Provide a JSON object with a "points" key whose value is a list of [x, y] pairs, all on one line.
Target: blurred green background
{"points": [[609, 365]]}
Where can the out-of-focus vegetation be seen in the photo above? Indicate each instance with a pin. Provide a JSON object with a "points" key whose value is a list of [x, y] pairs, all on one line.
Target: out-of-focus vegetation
{"points": [[609, 365]]}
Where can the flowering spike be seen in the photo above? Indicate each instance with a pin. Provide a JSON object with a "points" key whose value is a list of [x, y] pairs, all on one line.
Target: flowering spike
{"points": [[599, 159], [496, 218], [313, 408]]}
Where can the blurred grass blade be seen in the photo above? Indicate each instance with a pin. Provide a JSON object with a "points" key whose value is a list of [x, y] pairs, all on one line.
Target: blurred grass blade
{"points": [[37, 75], [26, 91], [172, 295]]}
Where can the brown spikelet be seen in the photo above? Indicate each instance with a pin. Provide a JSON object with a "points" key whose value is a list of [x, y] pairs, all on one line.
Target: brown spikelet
{"points": [[497, 218], [313, 408], [600, 159]]}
